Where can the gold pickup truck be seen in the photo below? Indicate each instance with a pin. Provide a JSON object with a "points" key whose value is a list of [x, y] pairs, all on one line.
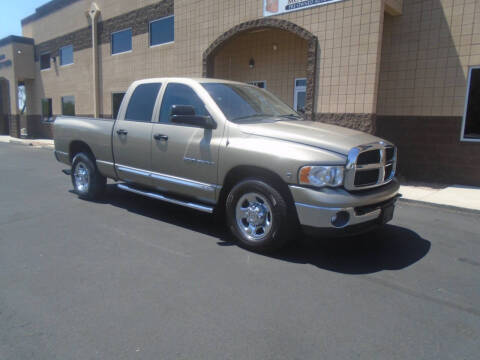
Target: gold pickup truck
{"points": [[232, 148]]}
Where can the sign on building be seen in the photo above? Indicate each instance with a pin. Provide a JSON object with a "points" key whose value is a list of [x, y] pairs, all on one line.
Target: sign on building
{"points": [[276, 7]]}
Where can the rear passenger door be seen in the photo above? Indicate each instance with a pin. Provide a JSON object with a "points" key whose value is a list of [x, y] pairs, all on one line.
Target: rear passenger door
{"points": [[132, 134]]}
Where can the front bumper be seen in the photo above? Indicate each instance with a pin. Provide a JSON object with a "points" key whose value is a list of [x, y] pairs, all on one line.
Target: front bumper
{"points": [[322, 208]]}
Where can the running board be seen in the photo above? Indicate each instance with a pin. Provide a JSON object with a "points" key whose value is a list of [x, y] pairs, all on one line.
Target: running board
{"points": [[156, 196]]}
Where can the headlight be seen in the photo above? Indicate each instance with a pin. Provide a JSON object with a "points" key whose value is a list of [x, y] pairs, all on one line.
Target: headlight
{"points": [[321, 176]]}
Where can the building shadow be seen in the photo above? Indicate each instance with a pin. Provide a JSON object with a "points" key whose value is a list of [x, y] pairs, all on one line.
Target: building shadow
{"points": [[389, 248]]}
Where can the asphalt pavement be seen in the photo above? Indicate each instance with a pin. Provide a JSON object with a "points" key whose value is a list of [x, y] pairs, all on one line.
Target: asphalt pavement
{"points": [[132, 278]]}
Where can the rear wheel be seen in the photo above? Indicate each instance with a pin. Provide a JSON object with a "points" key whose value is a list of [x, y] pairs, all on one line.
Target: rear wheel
{"points": [[86, 179], [257, 215]]}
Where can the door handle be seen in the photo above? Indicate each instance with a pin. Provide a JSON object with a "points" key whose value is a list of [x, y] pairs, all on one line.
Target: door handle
{"points": [[122, 132], [160, 137]]}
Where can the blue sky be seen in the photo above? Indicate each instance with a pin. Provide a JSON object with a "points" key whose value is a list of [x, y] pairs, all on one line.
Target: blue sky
{"points": [[13, 13]]}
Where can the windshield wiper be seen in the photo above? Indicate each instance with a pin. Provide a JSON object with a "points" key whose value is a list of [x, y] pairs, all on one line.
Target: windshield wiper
{"points": [[291, 116], [251, 116]]}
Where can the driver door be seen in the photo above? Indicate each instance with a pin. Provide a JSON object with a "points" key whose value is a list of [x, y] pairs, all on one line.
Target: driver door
{"points": [[185, 157]]}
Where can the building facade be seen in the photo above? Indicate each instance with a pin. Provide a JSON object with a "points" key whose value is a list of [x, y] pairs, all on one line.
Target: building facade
{"points": [[406, 70]]}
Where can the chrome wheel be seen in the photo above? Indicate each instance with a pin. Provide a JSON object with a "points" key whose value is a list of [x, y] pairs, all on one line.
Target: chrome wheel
{"points": [[82, 177], [254, 216]]}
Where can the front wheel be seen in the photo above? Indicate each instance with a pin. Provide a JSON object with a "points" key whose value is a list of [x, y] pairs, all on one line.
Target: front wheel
{"points": [[258, 216], [86, 179]]}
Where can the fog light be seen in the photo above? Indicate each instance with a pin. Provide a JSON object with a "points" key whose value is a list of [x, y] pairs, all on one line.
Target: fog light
{"points": [[340, 219]]}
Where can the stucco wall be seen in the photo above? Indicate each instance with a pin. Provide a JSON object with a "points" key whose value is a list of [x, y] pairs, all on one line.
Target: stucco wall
{"points": [[426, 54], [348, 32], [74, 17], [8, 73]]}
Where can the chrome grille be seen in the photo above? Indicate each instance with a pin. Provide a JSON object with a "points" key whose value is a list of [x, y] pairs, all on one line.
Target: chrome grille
{"points": [[370, 165]]}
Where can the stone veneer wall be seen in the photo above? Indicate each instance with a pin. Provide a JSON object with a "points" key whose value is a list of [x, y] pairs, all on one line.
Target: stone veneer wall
{"points": [[362, 122], [429, 148]]}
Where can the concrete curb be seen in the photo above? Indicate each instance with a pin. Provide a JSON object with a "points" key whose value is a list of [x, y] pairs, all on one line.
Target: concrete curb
{"points": [[442, 206], [32, 143]]}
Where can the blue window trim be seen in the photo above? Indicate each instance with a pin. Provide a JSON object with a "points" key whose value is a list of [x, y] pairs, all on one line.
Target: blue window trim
{"points": [[150, 31], [60, 55], [111, 41]]}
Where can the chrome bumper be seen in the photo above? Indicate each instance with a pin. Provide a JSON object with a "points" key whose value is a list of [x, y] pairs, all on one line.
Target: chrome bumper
{"points": [[322, 208]]}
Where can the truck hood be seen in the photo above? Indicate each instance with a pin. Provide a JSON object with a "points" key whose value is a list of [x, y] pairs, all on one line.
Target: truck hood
{"points": [[329, 137]]}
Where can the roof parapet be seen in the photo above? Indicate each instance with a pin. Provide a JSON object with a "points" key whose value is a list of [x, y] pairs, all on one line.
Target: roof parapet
{"points": [[47, 9]]}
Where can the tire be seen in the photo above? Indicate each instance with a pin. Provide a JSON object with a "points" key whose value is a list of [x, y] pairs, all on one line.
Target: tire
{"points": [[87, 181], [258, 216]]}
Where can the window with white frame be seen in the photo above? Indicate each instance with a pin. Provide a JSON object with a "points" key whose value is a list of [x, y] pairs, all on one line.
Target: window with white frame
{"points": [[471, 117], [300, 95], [66, 55], [121, 41], [162, 31]]}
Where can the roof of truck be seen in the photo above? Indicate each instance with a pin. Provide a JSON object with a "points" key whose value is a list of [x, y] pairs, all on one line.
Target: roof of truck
{"points": [[187, 79]]}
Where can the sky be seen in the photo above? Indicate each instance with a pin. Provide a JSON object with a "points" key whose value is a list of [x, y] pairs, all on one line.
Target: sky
{"points": [[12, 12]]}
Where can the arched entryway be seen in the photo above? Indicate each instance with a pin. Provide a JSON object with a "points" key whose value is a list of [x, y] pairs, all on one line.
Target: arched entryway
{"points": [[271, 53], [4, 106]]}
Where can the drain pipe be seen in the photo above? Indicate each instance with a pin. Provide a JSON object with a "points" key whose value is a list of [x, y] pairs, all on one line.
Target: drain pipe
{"points": [[93, 13]]}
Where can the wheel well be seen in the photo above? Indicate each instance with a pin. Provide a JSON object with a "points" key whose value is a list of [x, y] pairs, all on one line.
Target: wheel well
{"points": [[240, 173], [78, 147]]}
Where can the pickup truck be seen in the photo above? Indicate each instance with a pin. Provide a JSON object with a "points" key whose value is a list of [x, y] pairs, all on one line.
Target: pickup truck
{"points": [[236, 150]]}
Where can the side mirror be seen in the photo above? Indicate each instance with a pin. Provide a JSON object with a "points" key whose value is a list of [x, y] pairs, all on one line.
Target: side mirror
{"points": [[185, 114]]}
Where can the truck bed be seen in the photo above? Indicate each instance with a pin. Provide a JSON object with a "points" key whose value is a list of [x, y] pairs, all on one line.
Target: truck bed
{"points": [[96, 133]]}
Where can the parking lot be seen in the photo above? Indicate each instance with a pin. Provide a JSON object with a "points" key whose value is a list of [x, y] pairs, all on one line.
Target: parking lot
{"points": [[130, 277]]}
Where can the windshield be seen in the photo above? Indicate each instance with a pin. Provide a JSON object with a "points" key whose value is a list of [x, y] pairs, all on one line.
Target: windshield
{"points": [[246, 103]]}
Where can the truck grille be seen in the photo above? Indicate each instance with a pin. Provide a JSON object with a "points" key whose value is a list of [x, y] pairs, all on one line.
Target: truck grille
{"points": [[370, 166]]}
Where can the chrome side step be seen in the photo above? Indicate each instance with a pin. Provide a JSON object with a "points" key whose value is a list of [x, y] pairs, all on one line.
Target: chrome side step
{"points": [[191, 205]]}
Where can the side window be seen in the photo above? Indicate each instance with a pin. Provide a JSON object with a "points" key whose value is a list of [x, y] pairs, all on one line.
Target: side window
{"points": [[180, 94], [141, 103]]}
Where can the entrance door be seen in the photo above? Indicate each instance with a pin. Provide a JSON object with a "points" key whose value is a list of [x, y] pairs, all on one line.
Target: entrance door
{"points": [[184, 157], [300, 95], [132, 135]]}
